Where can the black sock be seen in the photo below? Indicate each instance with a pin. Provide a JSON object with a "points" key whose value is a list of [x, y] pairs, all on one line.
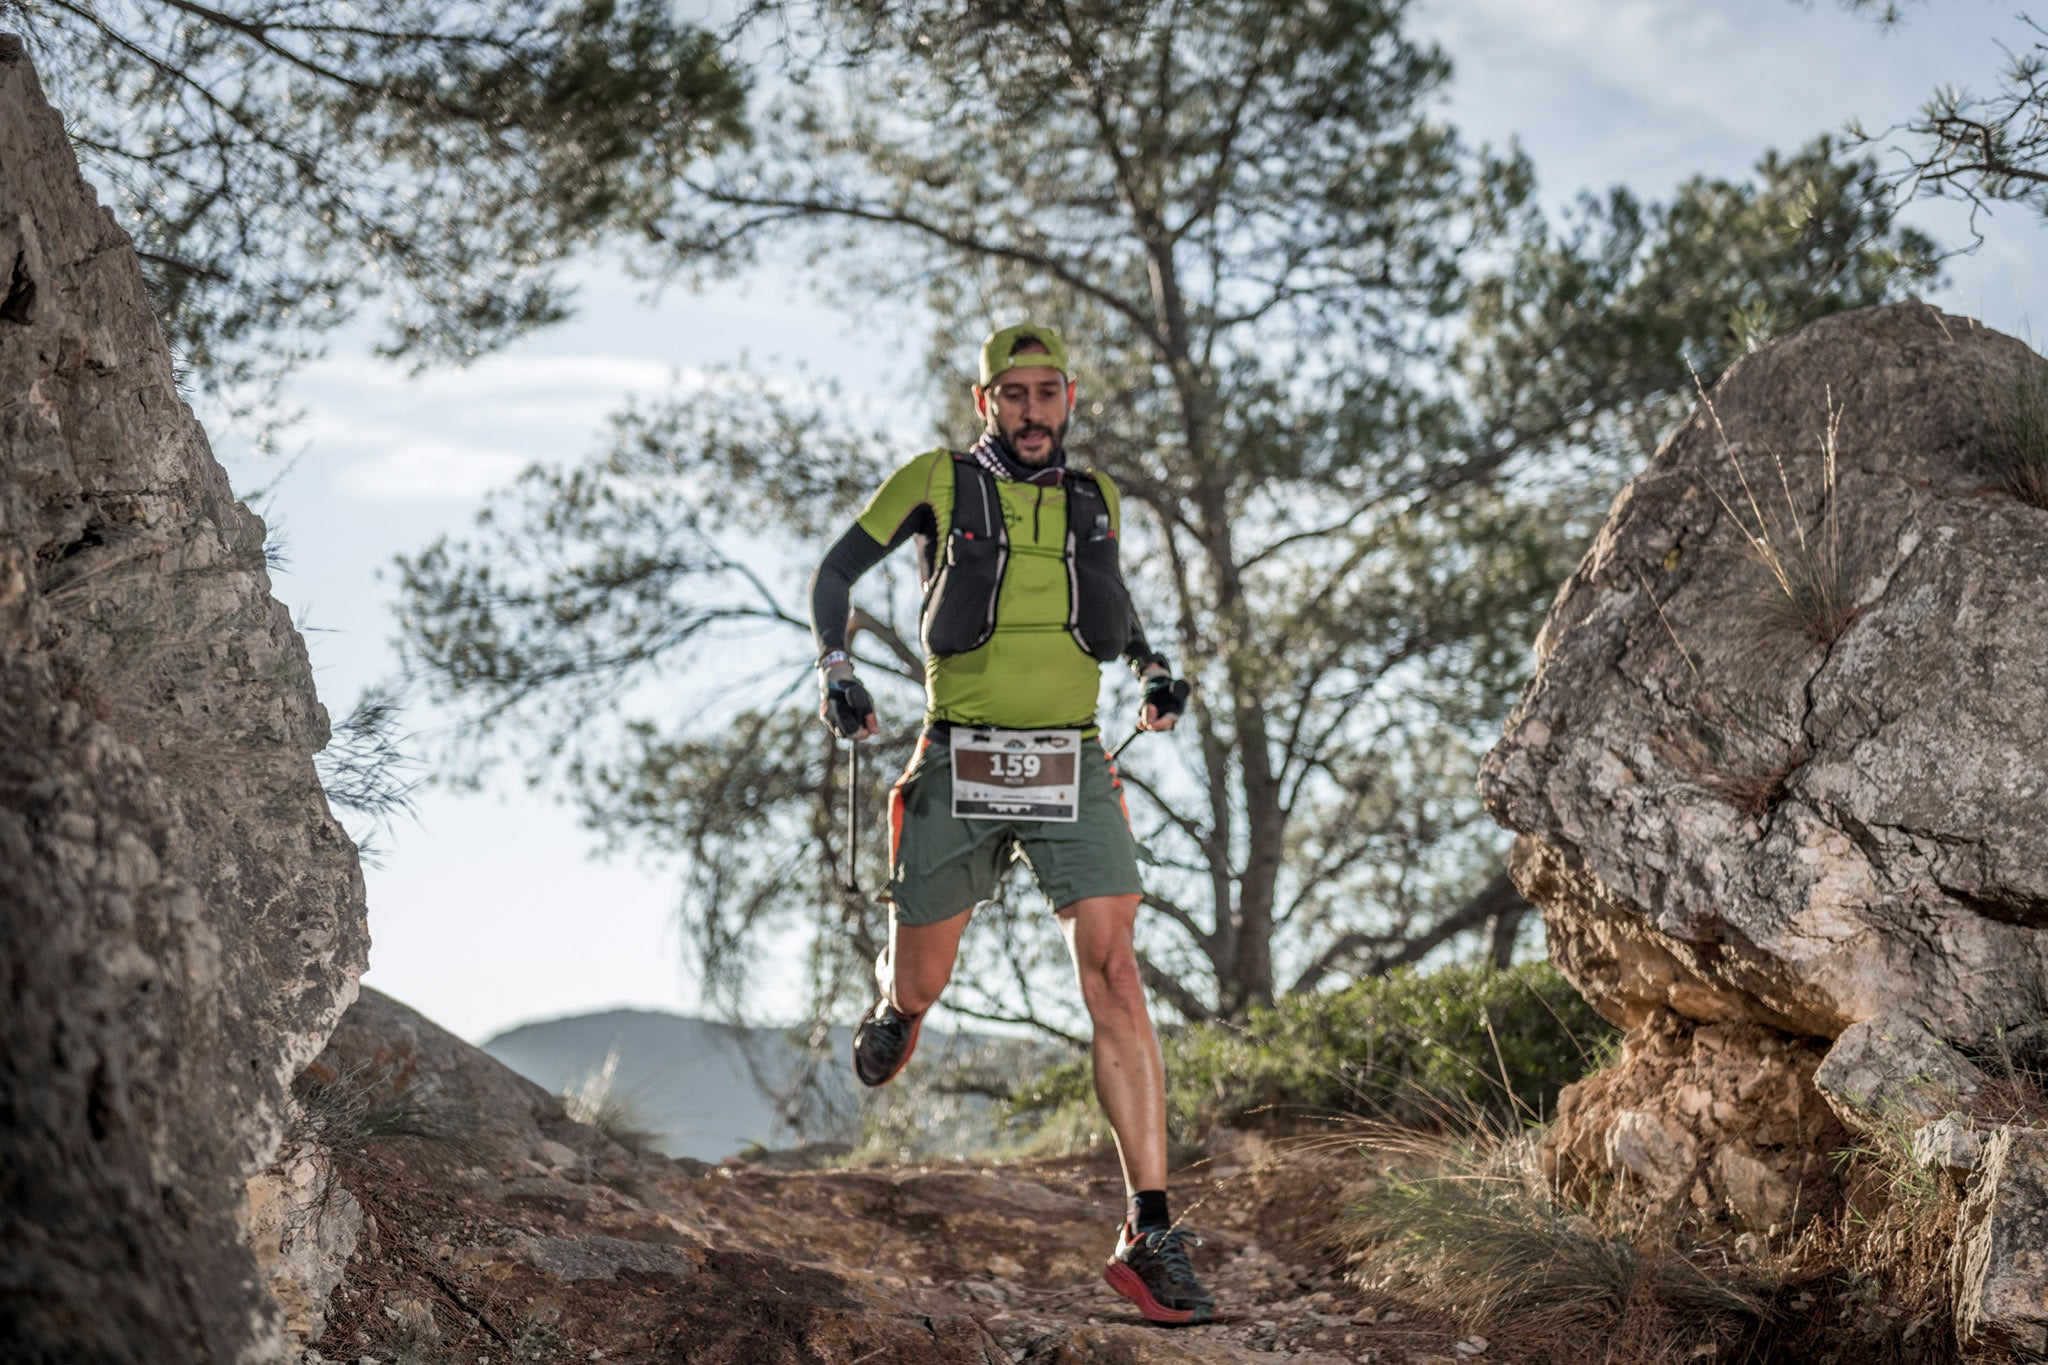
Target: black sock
{"points": [[1148, 1212]]}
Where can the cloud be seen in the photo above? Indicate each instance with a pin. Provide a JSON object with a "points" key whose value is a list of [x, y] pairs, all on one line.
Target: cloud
{"points": [[1650, 90], [428, 470]]}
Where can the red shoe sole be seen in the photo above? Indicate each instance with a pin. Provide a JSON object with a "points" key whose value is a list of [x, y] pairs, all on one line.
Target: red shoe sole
{"points": [[1125, 1281], [916, 1027]]}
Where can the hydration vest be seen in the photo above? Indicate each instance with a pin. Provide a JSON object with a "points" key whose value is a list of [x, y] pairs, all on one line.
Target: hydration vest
{"points": [[960, 600]]}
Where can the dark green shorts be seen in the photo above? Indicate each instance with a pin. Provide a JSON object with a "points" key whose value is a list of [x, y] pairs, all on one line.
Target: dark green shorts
{"points": [[939, 866]]}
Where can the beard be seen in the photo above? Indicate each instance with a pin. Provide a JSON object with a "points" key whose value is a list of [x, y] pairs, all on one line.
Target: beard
{"points": [[1012, 437]]}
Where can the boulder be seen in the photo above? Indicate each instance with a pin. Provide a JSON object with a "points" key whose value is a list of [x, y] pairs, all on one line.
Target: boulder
{"points": [[2001, 1251], [1892, 1070], [184, 918], [1814, 808]]}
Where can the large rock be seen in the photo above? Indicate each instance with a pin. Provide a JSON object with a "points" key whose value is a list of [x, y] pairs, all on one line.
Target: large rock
{"points": [[1733, 813], [2001, 1252], [389, 1067], [183, 920]]}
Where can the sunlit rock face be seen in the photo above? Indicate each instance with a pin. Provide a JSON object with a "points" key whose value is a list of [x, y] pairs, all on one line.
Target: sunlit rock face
{"points": [[1811, 809], [183, 920]]}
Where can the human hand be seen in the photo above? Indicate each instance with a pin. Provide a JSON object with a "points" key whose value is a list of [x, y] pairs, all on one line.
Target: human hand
{"points": [[845, 706], [1166, 697]]}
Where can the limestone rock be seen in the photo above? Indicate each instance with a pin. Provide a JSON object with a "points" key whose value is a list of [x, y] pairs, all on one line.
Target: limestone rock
{"points": [[2001, 1254], [1731, 814], [302, 1227], [1949, 1145], [185, 919], [1892, 1068]]}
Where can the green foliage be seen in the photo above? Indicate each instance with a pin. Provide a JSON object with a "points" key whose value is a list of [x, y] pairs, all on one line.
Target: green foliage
{"points": [[1985, 149], [1589, 324], [1413, 1049], [280, 163]]}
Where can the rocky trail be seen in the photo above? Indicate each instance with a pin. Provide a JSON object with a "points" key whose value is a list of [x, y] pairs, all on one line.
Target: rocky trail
{"points": [[509, 1233]]}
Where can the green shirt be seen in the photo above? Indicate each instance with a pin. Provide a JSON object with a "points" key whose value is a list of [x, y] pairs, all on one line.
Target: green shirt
{"points": [[1030, 674]]}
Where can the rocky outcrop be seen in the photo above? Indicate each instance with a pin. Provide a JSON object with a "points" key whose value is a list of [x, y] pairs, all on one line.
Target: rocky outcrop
{"points": [[1717, 1121], [1816, 807], [184, 920]]}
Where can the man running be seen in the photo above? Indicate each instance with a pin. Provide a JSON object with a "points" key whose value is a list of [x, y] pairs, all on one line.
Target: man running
{"points": [[1024, 602]]}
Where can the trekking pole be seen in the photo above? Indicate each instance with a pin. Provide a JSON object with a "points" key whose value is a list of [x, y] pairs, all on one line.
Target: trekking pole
{"points": [[852, 887]]}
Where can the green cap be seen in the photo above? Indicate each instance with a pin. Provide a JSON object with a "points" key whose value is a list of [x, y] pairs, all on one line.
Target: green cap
{"points": [[999, 352]]}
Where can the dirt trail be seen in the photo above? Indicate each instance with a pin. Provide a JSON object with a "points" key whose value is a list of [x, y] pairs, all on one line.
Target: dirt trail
{"points": [[628, 1259], [497, 1230]]}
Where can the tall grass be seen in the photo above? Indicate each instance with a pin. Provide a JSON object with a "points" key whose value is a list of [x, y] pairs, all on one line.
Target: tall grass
{"points": [[1478, 1234], [2018, 443]]}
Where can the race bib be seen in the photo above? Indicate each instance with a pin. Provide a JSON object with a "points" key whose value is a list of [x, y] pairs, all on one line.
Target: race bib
{"points": [[1016, 774]]}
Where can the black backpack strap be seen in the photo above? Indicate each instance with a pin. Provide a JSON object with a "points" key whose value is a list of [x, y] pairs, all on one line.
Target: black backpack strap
{"points": [[977, 504]]}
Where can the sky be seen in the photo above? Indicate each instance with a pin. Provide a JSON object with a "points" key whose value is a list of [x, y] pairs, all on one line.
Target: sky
{"points": [[489, 909]]}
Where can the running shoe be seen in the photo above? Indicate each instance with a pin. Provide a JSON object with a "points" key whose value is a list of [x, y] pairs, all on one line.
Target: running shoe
{"points": [[883, 1042], [1152, 1271]]}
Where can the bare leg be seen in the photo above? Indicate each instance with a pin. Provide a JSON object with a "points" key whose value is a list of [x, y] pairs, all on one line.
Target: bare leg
{"points": [[918, 962], [1130, 1077]]}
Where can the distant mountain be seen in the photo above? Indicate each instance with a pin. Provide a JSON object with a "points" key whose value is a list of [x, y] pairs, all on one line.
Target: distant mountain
{"points": [[704, 1089]]}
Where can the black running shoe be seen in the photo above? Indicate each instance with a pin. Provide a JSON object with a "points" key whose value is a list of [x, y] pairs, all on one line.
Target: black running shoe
{"points": [[883, 1042], [1152, 1271]]}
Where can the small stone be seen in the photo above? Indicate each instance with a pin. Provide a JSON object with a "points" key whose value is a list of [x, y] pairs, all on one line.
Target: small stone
{"points": [[1366, 1317], [556, 1156], [1950, 1145], [1474, 1345]]}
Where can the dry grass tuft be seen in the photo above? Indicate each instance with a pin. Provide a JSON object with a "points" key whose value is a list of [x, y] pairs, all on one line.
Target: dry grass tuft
{"points": [[1478, 1234], [348, 1110], [1810, 581], [2018, 443], [599, 1100]]}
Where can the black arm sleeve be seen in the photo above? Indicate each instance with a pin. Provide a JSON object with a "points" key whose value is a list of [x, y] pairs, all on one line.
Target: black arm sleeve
{"points": [[852, 555], [1137, 653]]}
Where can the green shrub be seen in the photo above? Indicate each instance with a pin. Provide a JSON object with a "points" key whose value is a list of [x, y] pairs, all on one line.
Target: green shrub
{"points": [[1416, 1049]]}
